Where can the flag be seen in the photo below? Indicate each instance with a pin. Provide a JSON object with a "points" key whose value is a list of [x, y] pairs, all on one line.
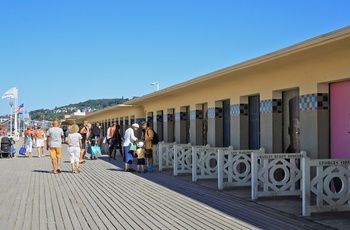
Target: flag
{"points": [[20, 109], [24, 115], [11, 93]]}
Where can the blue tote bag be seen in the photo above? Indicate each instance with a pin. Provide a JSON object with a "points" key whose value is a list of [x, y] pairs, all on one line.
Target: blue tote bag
{"points": [[96, 151]]}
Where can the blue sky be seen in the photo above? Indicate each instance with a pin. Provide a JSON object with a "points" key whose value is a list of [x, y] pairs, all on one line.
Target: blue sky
{"points": [[62, 52]]}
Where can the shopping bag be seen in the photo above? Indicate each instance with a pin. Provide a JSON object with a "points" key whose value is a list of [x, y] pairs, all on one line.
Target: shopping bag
{"points": [[132, 148], [22, 150], [96, 151]]}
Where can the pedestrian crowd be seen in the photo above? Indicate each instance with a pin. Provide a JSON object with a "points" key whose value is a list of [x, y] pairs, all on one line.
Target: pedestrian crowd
{"points": [[87, 138]]}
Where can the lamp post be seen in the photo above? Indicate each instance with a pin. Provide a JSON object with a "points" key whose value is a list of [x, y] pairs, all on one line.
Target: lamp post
{"points": [[156, 84], [11, 104]]}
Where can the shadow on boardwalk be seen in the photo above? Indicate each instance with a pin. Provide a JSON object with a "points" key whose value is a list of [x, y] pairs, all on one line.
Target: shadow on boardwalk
{"points": [[266, 213], [103, 196]]}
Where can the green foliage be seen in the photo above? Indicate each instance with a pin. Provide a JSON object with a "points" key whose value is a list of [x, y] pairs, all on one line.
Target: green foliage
{"points": [[88, 106]]}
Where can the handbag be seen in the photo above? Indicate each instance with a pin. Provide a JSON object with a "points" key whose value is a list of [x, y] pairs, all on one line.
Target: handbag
{"points": [[96, 151], [132, 148], [22, 150]]}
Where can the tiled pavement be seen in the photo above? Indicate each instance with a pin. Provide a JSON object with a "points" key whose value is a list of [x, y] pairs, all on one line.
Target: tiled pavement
{"points": [[103, 196]]}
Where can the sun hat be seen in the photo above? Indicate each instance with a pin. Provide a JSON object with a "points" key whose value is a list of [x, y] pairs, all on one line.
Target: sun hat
{"points": [[135, 125], [140, 144]]}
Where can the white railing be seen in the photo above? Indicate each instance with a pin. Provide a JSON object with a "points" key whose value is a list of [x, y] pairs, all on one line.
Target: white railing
{"points": [[205, 162], [320, 193], [182, 159], [166, 155], [235, 167], [156, 155], [279, 174]]}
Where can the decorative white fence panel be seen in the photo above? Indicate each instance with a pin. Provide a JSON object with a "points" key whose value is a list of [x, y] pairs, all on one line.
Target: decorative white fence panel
{"points": [[329, 189], [182, 159], [235, 167], [166, 155], [205, 162], [279, 173], [156, 155]]}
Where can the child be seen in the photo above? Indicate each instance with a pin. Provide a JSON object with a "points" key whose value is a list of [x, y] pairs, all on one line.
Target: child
{"points": [[75, 144], [13, 148], [140, 152]]}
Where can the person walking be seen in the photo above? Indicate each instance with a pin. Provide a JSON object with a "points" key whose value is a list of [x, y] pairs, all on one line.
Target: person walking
{"points": [[129, 139], [147, 137], [95, 136], [40, 143], [28, 141], [83, 132], [110, 131], [54, 144], [74, 141], [114, 143]]}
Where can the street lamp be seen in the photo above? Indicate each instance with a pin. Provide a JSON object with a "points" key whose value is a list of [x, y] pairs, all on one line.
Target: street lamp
{"points": [[156, 84], [11, 104]]}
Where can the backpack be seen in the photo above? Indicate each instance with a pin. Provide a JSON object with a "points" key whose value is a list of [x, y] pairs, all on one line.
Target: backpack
{"points": [[155, 138]]}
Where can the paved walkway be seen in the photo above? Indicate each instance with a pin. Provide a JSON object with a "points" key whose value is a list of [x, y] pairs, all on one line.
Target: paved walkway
{"points": [[103, 196]]}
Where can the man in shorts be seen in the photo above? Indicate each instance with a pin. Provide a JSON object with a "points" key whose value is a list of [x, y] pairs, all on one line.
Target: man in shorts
{"points": [[54, 144], [147, 137]]}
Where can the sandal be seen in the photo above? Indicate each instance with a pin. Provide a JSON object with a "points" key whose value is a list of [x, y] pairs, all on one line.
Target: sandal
{"points": [[78, 170], [59, 170], [73, 171]]}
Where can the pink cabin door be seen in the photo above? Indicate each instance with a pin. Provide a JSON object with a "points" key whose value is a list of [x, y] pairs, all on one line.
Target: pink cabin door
{"points": [[340, 119]]}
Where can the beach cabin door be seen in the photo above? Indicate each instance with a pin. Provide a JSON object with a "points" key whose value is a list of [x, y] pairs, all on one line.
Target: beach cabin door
{"points": [[254, 122], [340, 119]]}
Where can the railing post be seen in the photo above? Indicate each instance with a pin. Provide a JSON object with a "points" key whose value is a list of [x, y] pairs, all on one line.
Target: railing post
{"points": [[306, 199], [175, 160], [160, 157], [255, 170], [194, 164], [220, 169]]}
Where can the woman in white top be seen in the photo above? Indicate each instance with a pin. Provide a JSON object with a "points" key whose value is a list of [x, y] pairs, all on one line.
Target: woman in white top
{"points": [[129, 138], [75, 144]]}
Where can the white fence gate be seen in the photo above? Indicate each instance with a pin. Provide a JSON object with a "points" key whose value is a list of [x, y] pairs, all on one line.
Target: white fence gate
{"points": [[329, 189], [205, 162], [166, 155], [235, 167], [279, 173], [156, 155], [182, 159]]}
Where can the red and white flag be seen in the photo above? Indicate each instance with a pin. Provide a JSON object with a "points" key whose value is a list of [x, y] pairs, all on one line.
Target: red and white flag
{"points": [[20, 109]]}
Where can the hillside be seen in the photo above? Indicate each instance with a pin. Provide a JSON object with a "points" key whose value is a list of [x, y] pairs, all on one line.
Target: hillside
{"points": [[86, 106]]}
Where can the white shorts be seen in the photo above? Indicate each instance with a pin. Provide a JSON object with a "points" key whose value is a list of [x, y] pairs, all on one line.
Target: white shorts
{"points": [[40, 143], [29, 146], [74, 153]]}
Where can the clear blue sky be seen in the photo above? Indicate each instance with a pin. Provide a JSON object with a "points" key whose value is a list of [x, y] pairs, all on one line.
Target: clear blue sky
{"points": [[61, 52]]}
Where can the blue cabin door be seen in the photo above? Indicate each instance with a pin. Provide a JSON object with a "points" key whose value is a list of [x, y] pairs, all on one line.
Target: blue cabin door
{"points": [[254, 122]]}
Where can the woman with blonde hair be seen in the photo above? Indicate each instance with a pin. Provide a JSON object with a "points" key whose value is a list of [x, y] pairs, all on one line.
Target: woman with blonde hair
{"points": [[75, 144]]}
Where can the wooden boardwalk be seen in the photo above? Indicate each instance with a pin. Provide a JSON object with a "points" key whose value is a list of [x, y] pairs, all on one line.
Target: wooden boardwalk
{"points": [[103, 196]]}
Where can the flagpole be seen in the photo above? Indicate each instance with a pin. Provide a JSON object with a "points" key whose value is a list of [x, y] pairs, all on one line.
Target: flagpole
{"points": [[16, 106]]}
